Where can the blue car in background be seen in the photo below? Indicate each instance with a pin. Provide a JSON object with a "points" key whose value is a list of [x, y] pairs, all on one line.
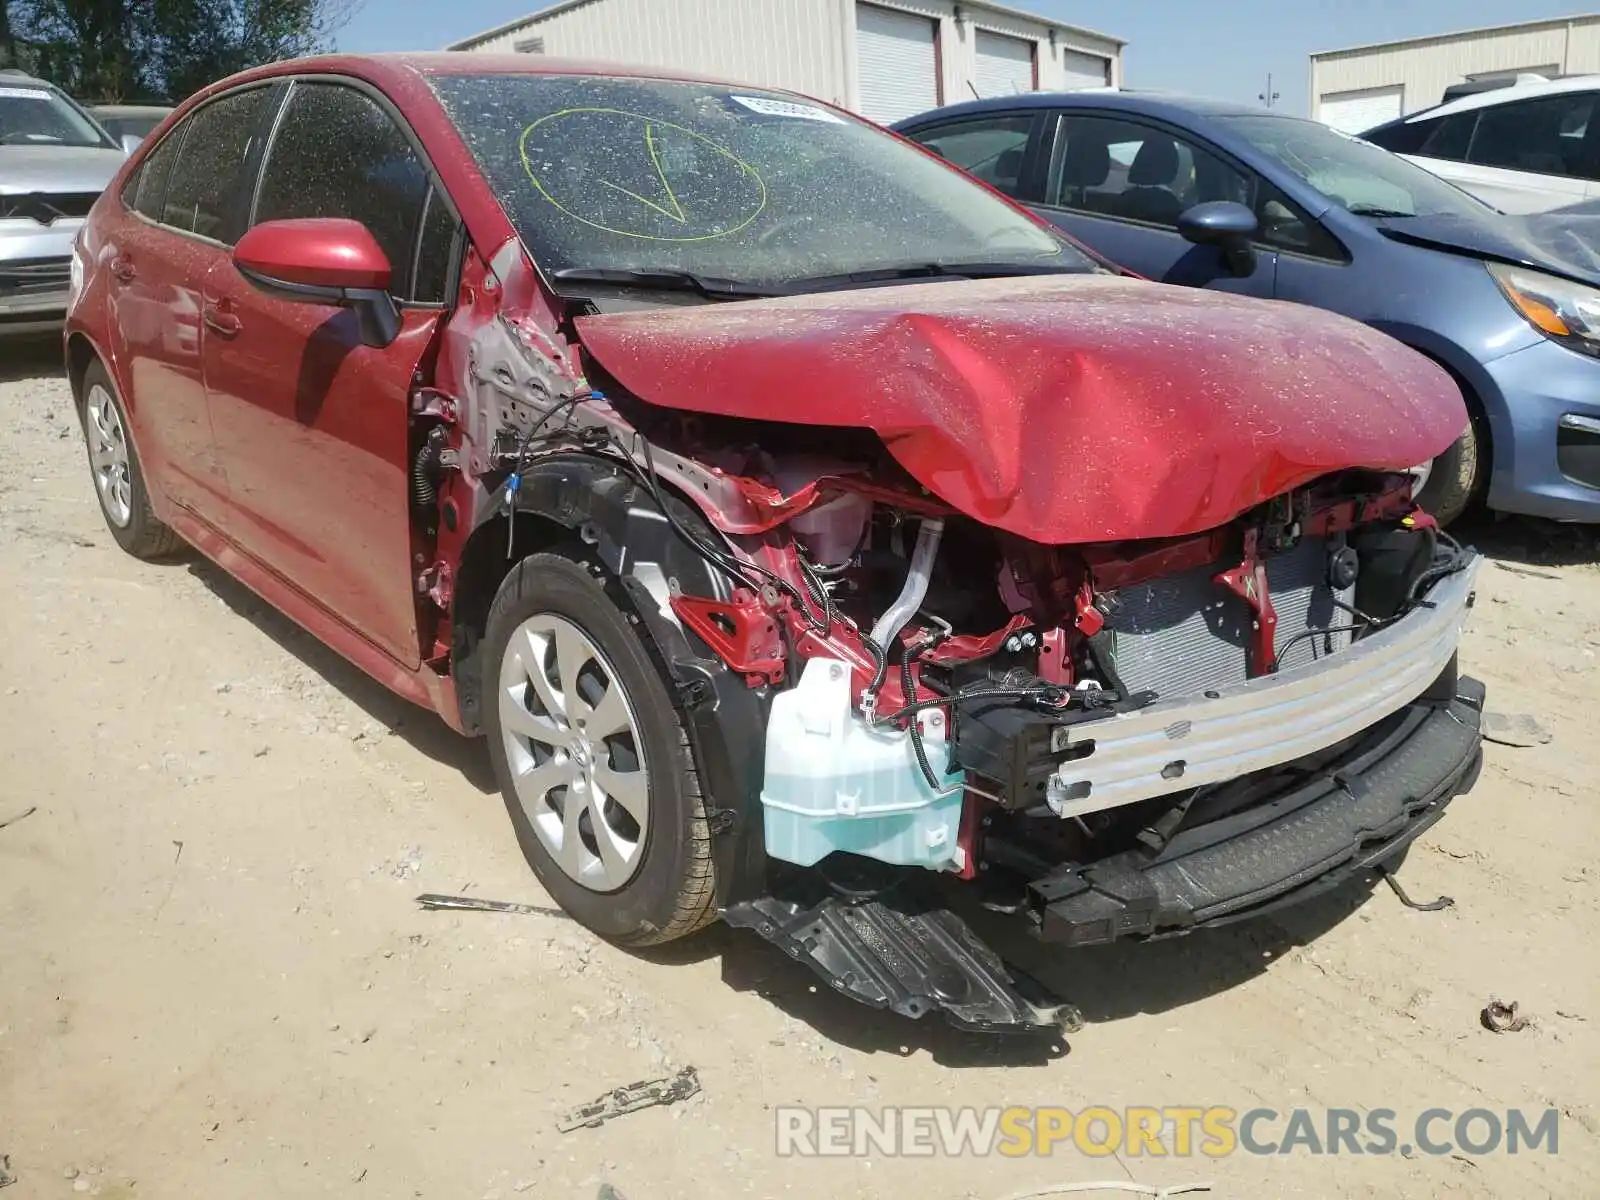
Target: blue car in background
{"points": [[1245, 200]]}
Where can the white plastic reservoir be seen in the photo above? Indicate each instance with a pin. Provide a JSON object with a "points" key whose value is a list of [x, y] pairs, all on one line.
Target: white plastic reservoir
{"points": [[834, 783]]}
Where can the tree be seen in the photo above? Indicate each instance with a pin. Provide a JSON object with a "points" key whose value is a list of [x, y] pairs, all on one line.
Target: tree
{"points": [[198, 41], [103, 51], [90, 47]]}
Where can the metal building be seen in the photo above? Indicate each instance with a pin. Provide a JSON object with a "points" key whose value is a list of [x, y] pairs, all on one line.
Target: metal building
{"points": [[1358, 88], [887, 59]]}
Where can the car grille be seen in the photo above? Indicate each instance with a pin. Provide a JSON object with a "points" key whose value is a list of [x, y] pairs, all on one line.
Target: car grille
{"points": [[34, 277], [1184, 633], [46, 207]]}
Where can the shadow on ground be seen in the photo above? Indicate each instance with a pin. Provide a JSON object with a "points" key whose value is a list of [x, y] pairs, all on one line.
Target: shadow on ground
{"points": [[750, 964], [421, 729], [1530, 541], [1106, 983], [30, 357]]}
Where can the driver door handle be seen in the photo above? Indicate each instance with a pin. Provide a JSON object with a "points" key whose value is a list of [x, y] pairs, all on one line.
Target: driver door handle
{"points": [[221, 319]]}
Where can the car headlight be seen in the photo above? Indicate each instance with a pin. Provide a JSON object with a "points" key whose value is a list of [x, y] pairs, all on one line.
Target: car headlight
{"points": [[75, 273], [1566, 312]]}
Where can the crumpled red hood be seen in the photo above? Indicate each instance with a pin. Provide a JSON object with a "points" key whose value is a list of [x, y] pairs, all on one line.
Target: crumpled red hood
{"points": [[1061, 408]]}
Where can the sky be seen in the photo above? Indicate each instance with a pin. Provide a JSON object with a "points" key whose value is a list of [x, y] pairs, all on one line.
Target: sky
{"points": [[1199, 47]]}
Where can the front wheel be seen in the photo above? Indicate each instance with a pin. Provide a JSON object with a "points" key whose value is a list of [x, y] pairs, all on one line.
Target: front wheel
{"points": [[592, 758], [1448, 484]]}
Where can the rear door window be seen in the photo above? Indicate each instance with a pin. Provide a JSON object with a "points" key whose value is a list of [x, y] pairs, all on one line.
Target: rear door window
{"points": [[338, 153], [147, 191], [203, 193]]}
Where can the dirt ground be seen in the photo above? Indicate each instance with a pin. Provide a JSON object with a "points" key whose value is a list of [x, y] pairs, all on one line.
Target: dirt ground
{"points": [[214, 980]]}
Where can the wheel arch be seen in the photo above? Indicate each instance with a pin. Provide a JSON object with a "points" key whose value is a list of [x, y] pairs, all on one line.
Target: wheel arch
{"points": [[595, 509], [81, 352]]}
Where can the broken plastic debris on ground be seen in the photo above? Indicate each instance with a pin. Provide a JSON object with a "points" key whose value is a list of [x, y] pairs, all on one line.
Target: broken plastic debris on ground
{"points": [[631, 1098]]}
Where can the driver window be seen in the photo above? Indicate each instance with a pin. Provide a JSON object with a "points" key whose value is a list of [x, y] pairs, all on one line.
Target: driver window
{"points": [[1112, 168], [337, 153]]}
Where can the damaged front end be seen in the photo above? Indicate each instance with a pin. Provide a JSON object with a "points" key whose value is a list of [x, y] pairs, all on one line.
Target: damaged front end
{"points": [[1146, 739], [911, 699]]}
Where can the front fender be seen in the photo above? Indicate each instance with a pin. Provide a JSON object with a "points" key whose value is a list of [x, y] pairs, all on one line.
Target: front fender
{"points": [[592, 501]]}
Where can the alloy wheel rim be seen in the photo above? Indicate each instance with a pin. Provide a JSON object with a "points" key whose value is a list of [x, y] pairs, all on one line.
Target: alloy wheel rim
{"points": [[575, 752], [108, 456]]}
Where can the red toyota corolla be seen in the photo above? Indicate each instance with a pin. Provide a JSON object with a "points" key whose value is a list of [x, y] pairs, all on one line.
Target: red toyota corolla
{"points": [[819, 541]]}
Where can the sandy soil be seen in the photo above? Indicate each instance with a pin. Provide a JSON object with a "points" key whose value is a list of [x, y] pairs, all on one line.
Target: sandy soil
{"points": [[214, 980]]}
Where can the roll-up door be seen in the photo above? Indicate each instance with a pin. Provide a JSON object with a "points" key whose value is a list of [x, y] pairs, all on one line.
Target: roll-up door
{"points": [[1005, 65], [1084, 70], [897, 63], [1357, 112]]}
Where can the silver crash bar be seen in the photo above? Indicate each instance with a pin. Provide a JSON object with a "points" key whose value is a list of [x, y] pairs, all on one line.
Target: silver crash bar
{"points": [[1179, 744]]}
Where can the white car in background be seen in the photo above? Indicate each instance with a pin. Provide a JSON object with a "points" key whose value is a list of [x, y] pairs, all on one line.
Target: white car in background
{"points": [[1528, 147], [54, 163]]}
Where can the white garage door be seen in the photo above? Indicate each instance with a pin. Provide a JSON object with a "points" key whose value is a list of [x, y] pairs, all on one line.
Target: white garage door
{"points": [[1084, 70], [1356, 112], [1005, 65], [897, 63]]}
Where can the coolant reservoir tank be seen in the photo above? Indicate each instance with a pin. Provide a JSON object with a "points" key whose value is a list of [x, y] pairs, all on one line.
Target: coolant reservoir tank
{"points": [[830, 531], [835, 783]]}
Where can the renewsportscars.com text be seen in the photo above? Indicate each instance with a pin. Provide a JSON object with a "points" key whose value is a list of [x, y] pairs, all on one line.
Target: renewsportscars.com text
{"points": [[1166, 1132]]}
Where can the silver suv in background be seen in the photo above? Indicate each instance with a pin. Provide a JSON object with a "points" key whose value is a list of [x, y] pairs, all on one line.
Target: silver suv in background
{"points": [[54, 162]]}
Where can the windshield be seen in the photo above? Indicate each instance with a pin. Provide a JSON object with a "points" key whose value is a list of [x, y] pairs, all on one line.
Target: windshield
{"points": [[1356, 175], [733, 183], [32, 115]]}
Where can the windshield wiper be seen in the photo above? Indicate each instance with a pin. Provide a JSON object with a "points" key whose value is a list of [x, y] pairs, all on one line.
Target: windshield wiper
{"points": [[665, 280], [929, 270], [1373, 210]]}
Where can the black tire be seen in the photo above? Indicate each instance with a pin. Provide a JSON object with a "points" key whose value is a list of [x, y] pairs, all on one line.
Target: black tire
{"points": [[141, 535], [1454, 480], [672, 891]]}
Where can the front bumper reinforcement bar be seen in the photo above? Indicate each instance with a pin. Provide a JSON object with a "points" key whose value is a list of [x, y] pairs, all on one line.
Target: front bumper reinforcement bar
{"points": [[1175, 745]]}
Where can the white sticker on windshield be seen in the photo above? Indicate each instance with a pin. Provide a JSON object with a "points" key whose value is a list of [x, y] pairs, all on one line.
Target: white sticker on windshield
{"points": [[768, 107], [16, 93]]}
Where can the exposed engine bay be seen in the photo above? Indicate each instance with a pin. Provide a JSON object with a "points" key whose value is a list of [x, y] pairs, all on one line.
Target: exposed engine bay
{"points": [[943, 698]]}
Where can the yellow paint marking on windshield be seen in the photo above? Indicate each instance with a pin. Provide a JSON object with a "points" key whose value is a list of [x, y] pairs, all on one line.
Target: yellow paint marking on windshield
{"points": [[665, 212], [740, 218], [650, 145], [676, 211]]}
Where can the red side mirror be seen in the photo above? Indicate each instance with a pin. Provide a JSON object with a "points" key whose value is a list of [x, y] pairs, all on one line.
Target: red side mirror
{"points": [[323, 260], [314, 252]]}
